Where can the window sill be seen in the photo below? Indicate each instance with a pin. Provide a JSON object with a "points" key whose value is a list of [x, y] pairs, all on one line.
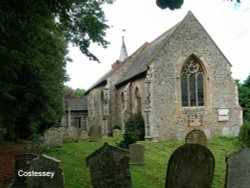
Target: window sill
{"points": [[193, 108]]}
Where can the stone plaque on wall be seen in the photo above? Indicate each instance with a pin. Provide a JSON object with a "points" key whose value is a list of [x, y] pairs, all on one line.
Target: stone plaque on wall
{"points": [[195, 120], [223, 114]]}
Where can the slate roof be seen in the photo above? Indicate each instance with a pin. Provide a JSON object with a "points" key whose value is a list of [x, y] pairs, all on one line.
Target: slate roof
{"points": [[103, 79], [142, 61], [76, 104], [142, 58]]}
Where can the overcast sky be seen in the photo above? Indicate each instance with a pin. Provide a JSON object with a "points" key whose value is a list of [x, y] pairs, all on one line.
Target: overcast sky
{"points": [[227, 24]]}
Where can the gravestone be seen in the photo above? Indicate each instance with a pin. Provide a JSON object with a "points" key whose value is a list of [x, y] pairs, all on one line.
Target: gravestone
{"points": [[225, 131], [207, 133], [117, 134], [190, 166], [238, 169], [22, 164], [109, 167], [95, 133], [47, 173], [83, 135], [136, 153], [53, 137], [70, 134], [196, 136]]}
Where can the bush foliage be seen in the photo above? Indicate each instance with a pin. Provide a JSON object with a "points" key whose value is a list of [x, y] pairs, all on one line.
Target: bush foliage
{"points": [[244, 135], [134, 131]]}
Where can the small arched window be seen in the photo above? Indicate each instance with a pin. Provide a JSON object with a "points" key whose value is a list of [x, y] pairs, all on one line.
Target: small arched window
{"points": [[192, 82], [123, 100], [138, 100]]}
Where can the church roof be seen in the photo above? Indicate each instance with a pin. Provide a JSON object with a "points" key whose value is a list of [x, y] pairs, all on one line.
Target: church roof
{"points": [[141, 62], [76, 104], [144, 56]]}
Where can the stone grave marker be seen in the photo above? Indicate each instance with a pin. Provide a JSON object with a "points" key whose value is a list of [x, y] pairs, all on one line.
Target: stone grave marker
{"points": [[196, 136], [238, 169], [136, 153], [109, 167], [22, 164], [53, 137], [83, 135], [190, 166], [70, 134], [47, 173], [117, 134], [95, 133]]}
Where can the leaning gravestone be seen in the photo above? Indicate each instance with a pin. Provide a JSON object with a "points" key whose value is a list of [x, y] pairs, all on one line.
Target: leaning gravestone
{"points": [[95, 133], [109, 167], [196, 136], [238, 169], [22, 164], [136, 153], [47, 173], [53, 137], [190, 166]]}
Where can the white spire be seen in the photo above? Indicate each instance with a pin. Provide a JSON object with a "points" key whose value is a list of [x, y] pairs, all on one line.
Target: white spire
{"points": [[123, 52]]}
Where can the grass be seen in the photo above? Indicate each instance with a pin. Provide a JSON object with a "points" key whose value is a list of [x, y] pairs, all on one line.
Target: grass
{"points": [[150, 175]]}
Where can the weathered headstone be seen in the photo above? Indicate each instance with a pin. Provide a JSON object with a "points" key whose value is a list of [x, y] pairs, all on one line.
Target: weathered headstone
{"points": [[207, 133], [53, 137], [70, 134], [136, 153], [83, 135], [95, 133], [238, 169], [196, 136], [109, 167], [46, 173], [117, 134], [190, 166], [225, 131], [22, 164]]}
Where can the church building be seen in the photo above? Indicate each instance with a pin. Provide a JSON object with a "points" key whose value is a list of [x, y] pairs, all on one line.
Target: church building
{"points": [[179, 82]]}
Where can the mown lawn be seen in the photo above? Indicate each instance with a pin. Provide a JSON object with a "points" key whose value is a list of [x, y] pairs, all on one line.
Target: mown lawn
{"points": [[150, 175]]}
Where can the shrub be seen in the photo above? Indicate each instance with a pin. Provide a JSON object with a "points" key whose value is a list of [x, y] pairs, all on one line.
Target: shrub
{"points": [[244, 135], [134, 130]]}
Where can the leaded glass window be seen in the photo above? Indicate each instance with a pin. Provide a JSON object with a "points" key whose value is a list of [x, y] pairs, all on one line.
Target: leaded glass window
{"points": [[192, 90]]}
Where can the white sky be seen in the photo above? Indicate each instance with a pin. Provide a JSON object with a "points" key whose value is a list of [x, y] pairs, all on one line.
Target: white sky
{"points": [[228, 25]]}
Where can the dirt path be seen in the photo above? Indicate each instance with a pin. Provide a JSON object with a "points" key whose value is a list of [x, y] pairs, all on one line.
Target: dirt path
{"points": [[8, 151]]}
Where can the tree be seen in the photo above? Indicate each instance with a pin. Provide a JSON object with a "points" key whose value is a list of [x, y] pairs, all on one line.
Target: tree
{"points": [[174, 4], [34, 35], [244, 97], [78, 92], [134, 131]]}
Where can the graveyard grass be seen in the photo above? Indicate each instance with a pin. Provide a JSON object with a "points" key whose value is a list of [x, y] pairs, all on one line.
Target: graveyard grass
{"points": [[150, 175]]}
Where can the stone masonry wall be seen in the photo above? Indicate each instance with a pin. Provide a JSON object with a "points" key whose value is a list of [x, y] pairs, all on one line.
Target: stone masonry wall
{"points": [[169, 118]]}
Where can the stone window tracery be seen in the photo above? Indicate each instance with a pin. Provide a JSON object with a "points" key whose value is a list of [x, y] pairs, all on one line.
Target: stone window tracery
{"points": [[192, 82]]}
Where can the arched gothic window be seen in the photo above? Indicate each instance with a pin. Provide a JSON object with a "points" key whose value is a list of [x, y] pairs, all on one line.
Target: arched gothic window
{"points": [[192, 82]]}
